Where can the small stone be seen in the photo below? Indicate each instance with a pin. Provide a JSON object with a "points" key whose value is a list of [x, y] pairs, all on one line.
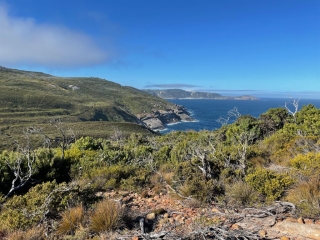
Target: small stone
{"points": [[301, 220], [151, 216], [262, 233], [284, 238], [236, 227], [166, 215], [135, 238]]}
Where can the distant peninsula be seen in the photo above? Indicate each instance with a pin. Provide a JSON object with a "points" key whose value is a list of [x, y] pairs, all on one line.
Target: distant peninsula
{"points": [[182, 94]]}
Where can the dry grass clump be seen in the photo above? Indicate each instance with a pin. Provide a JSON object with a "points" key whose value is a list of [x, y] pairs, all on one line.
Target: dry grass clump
{"points": [[306, 196], [107, 215], [241, 193], [72, 219], [36, 233]]}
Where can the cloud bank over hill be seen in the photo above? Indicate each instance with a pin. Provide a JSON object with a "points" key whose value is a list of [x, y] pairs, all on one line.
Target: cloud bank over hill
{"points": [[24, 41]]}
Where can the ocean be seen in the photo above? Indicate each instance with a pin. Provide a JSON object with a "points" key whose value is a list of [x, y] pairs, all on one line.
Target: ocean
{"points": [[206, 112]]}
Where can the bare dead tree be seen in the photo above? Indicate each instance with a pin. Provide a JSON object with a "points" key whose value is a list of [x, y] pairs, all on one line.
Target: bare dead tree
{"points": [[23, 166], [117, 135], [295, 103], [244, 139], [205, 166], [67, 135], [232, 114]]}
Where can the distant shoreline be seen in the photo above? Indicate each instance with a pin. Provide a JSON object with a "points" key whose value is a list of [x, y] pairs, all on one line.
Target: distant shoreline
{"points": [[231, 98]]}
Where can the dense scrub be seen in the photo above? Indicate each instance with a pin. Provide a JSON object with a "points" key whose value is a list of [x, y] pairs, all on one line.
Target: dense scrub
{"points": [[250, 162]]}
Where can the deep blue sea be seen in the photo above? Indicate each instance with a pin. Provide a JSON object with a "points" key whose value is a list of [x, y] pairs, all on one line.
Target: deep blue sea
{"points": [[207, 111]]}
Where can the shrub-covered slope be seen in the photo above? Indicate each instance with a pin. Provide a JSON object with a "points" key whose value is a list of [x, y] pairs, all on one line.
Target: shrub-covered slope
{"points": [[33, 98], [250, 163]]}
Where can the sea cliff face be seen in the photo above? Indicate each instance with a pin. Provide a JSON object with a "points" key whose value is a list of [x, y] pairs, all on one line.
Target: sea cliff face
{"points": [[157, 119]]}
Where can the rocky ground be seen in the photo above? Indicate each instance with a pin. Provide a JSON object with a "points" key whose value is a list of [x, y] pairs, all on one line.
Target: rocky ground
{"points": [[164, 216]]}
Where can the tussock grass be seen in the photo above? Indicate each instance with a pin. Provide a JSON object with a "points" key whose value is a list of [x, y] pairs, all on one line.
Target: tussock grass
{"points": [[306, 196], [72, 219], [36, 233], [241, 193], [107, 215]]}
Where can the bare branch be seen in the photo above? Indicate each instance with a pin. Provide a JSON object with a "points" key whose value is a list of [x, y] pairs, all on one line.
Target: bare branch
{"points": [[23, 165], [233, 113], [295, 104]]}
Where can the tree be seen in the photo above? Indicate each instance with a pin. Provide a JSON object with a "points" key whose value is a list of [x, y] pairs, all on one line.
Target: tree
{"points": [[67, 135], [22, 165], [232, 114], [273, 120], [295, 104]]}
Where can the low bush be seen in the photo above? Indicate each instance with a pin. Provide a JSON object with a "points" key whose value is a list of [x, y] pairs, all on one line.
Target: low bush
{"points": [[307, 164], [269, 183], [241, 193], [25, 211]]}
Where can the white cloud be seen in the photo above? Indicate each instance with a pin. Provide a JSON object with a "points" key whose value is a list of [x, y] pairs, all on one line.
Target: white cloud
{"points": [[24, 41]]}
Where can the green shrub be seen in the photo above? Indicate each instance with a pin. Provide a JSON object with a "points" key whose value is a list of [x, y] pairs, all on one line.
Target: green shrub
{"points": [[307, 164], [25, 211], [271, 184], [88, 143]]}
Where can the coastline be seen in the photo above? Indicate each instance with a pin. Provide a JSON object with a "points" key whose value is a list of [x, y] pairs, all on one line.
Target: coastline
{"points": [[158, 119]]}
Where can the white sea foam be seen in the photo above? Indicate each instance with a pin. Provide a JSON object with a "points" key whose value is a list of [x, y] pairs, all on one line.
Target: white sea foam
{"points": [[170, 124], [163, 130], [190, 121]]}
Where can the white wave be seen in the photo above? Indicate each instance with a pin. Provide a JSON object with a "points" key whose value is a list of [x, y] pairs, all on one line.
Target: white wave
{"points": [[170, 124], [191, 121], [163, 130]]}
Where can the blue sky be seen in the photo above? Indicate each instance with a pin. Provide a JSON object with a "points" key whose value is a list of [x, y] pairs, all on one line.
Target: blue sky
{"points": [[233, 47]]}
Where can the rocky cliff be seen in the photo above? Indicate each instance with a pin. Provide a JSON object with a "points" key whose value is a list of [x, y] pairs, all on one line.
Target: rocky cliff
{"points": [[157, 119]]}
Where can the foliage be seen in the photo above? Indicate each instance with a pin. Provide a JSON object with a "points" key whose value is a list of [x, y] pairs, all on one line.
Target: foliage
{"points": [[88, 143], [307, 164], [271, 184], [241, 193], [273, 120], [24, 211], [232, 163]]}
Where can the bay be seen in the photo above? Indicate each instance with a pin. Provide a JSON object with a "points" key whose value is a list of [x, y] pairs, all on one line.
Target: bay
{"points": [[206, 112]]}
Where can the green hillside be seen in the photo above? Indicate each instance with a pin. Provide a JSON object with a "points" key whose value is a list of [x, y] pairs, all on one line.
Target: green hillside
{"points": [[34, 98]]}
